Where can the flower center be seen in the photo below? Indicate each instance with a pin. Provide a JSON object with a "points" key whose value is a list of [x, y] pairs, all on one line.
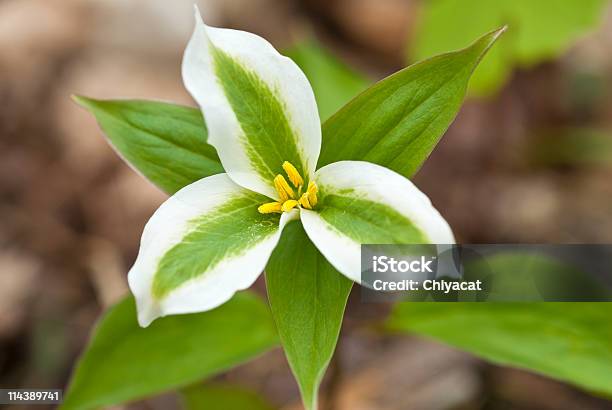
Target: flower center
{"points": [[290, 197]]}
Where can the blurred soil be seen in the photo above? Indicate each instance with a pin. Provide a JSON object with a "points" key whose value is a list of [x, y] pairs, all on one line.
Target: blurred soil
{"points": [[71, 213]]}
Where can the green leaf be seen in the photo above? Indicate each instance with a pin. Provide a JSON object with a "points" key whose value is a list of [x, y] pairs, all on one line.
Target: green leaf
{"points": [[124, 362], [222, 396], [333, 82], [532, 38], [164, 142], [521, 275], [580, 147], [571, 342], [307, 296], [398, 121]]}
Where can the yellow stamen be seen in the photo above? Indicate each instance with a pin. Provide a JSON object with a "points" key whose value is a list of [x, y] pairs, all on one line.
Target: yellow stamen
{"points": [[288, 197], [289, 205], [312, 193], [304, 201], [270, 207], [282, 187], [293, 174]]}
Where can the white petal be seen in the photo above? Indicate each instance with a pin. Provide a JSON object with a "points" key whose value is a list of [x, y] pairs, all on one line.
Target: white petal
{"points": [[258, 120], [212, 229], [365, 203]]}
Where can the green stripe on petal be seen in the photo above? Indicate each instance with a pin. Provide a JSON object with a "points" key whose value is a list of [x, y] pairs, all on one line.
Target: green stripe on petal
{"points": [[366, 221], [267, 136], [363, 203], [225, 232], [201, 246], [259, 108]]}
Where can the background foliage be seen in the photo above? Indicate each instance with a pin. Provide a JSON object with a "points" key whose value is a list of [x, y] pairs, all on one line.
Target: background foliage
{"points": [[540, 31]]}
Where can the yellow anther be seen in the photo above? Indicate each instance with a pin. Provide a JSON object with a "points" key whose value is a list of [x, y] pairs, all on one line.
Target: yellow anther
{"points": [[312, 193], [282, 187], [289, 205], [304, 201], [293, 174], [270, 208], [288, 197]]}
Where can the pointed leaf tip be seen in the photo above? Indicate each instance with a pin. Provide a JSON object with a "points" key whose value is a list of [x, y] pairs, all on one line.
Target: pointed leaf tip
{"points": [[307, 299], [149, 135], [398, 121], [81, 100], [494, 35]]}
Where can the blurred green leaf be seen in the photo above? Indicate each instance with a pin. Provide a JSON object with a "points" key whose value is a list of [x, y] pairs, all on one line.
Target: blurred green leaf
{"points": [[531, 276], [572, 147], [307, 296], [164, 142], [538, 30], [333, 82], [124, 362], [398, 121], [222, 397], [571, 342]]}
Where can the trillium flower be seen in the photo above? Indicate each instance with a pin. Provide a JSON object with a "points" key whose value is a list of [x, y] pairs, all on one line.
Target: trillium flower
{"points": [[215, 236]]}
